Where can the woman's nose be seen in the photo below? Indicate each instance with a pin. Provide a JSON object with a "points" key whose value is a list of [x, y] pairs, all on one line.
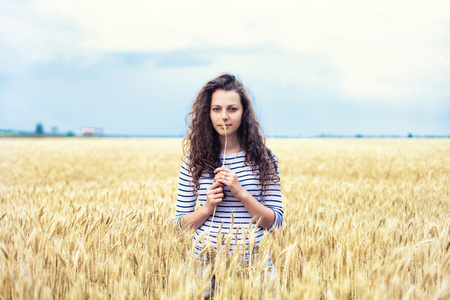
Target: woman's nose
{"points": [[224, 115]]}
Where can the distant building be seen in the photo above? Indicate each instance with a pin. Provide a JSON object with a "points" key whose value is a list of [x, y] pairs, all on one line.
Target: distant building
{"points": [[91, 131]]}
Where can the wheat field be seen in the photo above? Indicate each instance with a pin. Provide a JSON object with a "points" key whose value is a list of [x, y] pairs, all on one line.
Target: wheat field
{"points": [[93, 218]]}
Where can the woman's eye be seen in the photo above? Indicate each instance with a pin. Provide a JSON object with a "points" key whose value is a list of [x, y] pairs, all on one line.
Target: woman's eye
{"points": [[233, 109], [215, 109]]}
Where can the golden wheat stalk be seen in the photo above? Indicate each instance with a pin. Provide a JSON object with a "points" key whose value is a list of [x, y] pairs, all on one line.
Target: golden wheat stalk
{"points": [[225, 148], [223, 164]]}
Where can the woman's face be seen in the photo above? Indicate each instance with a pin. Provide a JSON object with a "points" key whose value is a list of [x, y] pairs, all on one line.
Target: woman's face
{"points": [[228, 105]]}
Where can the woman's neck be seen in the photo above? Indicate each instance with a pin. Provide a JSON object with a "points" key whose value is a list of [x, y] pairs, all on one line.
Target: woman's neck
{"points": [[233, 145]]}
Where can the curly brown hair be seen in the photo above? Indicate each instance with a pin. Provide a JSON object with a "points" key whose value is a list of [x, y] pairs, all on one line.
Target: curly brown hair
{"points": [[202, 144]]}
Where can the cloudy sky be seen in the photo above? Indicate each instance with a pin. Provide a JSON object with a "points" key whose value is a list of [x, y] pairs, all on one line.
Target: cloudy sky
{"points": [[313, 67]]}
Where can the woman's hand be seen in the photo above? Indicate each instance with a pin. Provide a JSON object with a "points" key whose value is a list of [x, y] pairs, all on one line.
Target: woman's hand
{"points": [[256, 209], [227, 177], [214, 195]]}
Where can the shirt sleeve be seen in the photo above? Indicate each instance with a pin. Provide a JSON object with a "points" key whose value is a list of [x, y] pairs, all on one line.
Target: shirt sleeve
{"points": [[186, 198], [272, 199]]}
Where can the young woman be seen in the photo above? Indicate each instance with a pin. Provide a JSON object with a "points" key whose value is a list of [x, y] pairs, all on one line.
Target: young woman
{"points": [[230, 170]]}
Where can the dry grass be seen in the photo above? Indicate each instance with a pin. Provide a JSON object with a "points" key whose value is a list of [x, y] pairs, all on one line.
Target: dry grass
{"points": [[92, 218]]}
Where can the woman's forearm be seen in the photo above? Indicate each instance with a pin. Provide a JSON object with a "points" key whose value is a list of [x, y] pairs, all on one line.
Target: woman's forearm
{"points": [[196, 218], [257, 210]]}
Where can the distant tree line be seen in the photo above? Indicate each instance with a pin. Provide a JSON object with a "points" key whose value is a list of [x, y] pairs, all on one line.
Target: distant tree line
{"points": [[40, 130]]}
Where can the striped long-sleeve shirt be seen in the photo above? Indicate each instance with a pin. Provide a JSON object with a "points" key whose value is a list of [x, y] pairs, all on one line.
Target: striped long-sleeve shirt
{"points": [[230, 207]]}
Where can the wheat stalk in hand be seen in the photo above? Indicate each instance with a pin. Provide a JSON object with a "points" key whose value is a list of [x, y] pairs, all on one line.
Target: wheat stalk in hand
{"points": [[223, 164], [225, 148]]}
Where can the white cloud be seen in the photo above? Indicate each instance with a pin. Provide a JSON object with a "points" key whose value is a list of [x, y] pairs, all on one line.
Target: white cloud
{"points": [[375, 45], [35, 35]]}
